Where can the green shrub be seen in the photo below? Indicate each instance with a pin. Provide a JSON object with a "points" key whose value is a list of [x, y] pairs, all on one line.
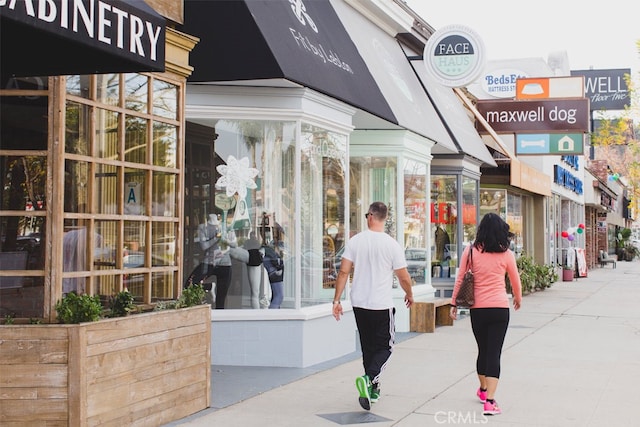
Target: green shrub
{"points": [[74, 308], [533, 276], [546, 275], [121, 304], [192, 295]]}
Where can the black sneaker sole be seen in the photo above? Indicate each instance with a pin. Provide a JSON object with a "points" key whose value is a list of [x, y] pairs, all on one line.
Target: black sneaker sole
{"points": [[365, 403]]}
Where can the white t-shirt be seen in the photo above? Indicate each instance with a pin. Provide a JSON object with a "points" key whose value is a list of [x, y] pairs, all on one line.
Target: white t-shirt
{"points": [[375, 256]]}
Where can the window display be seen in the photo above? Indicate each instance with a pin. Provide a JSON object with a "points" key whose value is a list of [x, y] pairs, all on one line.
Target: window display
{"points": [[444, 217]]}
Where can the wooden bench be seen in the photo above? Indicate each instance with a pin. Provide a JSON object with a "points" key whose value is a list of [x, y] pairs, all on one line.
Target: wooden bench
{"points": [[426, 315], [605, 259]]}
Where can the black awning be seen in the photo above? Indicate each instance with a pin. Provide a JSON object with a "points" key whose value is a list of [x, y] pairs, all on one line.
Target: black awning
{"points": [[303, 42], [80, 37]]}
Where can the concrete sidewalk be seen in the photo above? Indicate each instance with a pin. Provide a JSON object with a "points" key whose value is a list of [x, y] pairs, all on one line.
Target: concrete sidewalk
{"points": [[571, 358]]}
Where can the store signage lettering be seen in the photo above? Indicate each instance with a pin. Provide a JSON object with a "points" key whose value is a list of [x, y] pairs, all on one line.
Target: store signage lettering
{"points": [[454, 55], [606, 89], [300, 12], [538, 115], [606, 201], [317, 49], [93, 19], [563, 177], [573, 161], [502, 83]]}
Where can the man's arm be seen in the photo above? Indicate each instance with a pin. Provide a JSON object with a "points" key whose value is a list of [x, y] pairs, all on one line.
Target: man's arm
{"points": [[405, 281], [341, 282]]}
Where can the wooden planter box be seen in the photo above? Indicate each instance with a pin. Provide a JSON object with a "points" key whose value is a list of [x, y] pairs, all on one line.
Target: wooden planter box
{"points": [[145, 369]]}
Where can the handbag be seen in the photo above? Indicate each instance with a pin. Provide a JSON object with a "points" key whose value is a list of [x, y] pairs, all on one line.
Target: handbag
{"points": [[465, 296]]}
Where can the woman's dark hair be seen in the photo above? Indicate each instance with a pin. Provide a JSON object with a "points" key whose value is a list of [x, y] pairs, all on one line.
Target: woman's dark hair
{"points": [[493, 234]]}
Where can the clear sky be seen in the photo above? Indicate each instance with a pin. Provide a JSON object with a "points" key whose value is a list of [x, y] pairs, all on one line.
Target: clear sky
{"points": [[598, 35]]}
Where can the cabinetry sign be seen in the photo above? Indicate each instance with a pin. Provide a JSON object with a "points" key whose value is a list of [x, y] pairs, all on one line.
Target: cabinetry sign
{"points": [[551, 115]]}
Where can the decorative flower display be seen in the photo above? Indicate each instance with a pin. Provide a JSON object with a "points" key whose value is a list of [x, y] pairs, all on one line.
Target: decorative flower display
{"points": [[236, 176], [570, 232]]}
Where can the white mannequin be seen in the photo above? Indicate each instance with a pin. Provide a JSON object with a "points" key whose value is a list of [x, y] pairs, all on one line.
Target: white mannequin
{"points": [[254, 272]]}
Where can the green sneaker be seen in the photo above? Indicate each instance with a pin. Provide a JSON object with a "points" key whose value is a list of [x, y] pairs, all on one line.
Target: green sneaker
{"points": [[363, 384], [374, 393]]}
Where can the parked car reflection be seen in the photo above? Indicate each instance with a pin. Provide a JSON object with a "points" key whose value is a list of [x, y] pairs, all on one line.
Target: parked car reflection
{"points": [[416, 263], [134, 281]]}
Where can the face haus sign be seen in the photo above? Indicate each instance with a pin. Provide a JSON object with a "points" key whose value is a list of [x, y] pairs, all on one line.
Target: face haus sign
{"points": [[536, 116], [454, 56], [109, 25]]}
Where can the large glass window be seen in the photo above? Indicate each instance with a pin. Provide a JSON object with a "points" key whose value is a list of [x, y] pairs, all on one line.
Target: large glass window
{"points": [[120, 203], [415, 219], [515, 210], [444, 214], [240, 187], [469, 210], [372, 179], [23, 196], [323, 182]]}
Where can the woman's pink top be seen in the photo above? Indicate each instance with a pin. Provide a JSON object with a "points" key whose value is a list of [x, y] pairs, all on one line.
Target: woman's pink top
{"points": [[489, 278]]}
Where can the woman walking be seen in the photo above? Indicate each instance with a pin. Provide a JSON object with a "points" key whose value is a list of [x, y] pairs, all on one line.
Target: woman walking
{"points": [[491, 259]]}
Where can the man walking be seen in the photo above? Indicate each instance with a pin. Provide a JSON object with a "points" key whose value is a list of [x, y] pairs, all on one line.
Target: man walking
{"points": [[375, 257]]}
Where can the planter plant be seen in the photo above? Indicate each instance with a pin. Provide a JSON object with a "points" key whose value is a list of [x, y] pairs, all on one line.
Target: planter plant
{"points": [[92, 368], [533, 276], [121, 304], [74, 308]]}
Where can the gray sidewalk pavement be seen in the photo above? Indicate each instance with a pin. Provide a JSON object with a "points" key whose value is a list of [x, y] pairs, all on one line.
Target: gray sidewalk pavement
{"points": [[571, 358]]}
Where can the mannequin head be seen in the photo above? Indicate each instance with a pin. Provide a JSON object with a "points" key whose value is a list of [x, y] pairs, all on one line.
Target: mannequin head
{"points": [[213, 219]]}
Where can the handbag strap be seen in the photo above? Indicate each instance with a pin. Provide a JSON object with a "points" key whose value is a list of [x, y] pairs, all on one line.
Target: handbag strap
{"points": [[470, 259]]}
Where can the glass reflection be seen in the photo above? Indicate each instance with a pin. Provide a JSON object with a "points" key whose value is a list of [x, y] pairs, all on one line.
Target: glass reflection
{"points": [[23, 183], [136, 92], [165, 99], [77, 128], [164, 201], [165, 140], [106, 140], [135, 139], [108, 88]]}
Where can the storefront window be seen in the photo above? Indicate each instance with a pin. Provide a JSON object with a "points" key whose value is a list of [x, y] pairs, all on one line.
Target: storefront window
{"points": [[248, 197], [165, 99], [469, 210], [444, 214], [165, 139], [372, 179], [23, 197], [135, 140], [415, 220], [77, 129], [323, 172], [515, 220], [493, 200], [136, 92], [108, 88], [120, 204]]}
